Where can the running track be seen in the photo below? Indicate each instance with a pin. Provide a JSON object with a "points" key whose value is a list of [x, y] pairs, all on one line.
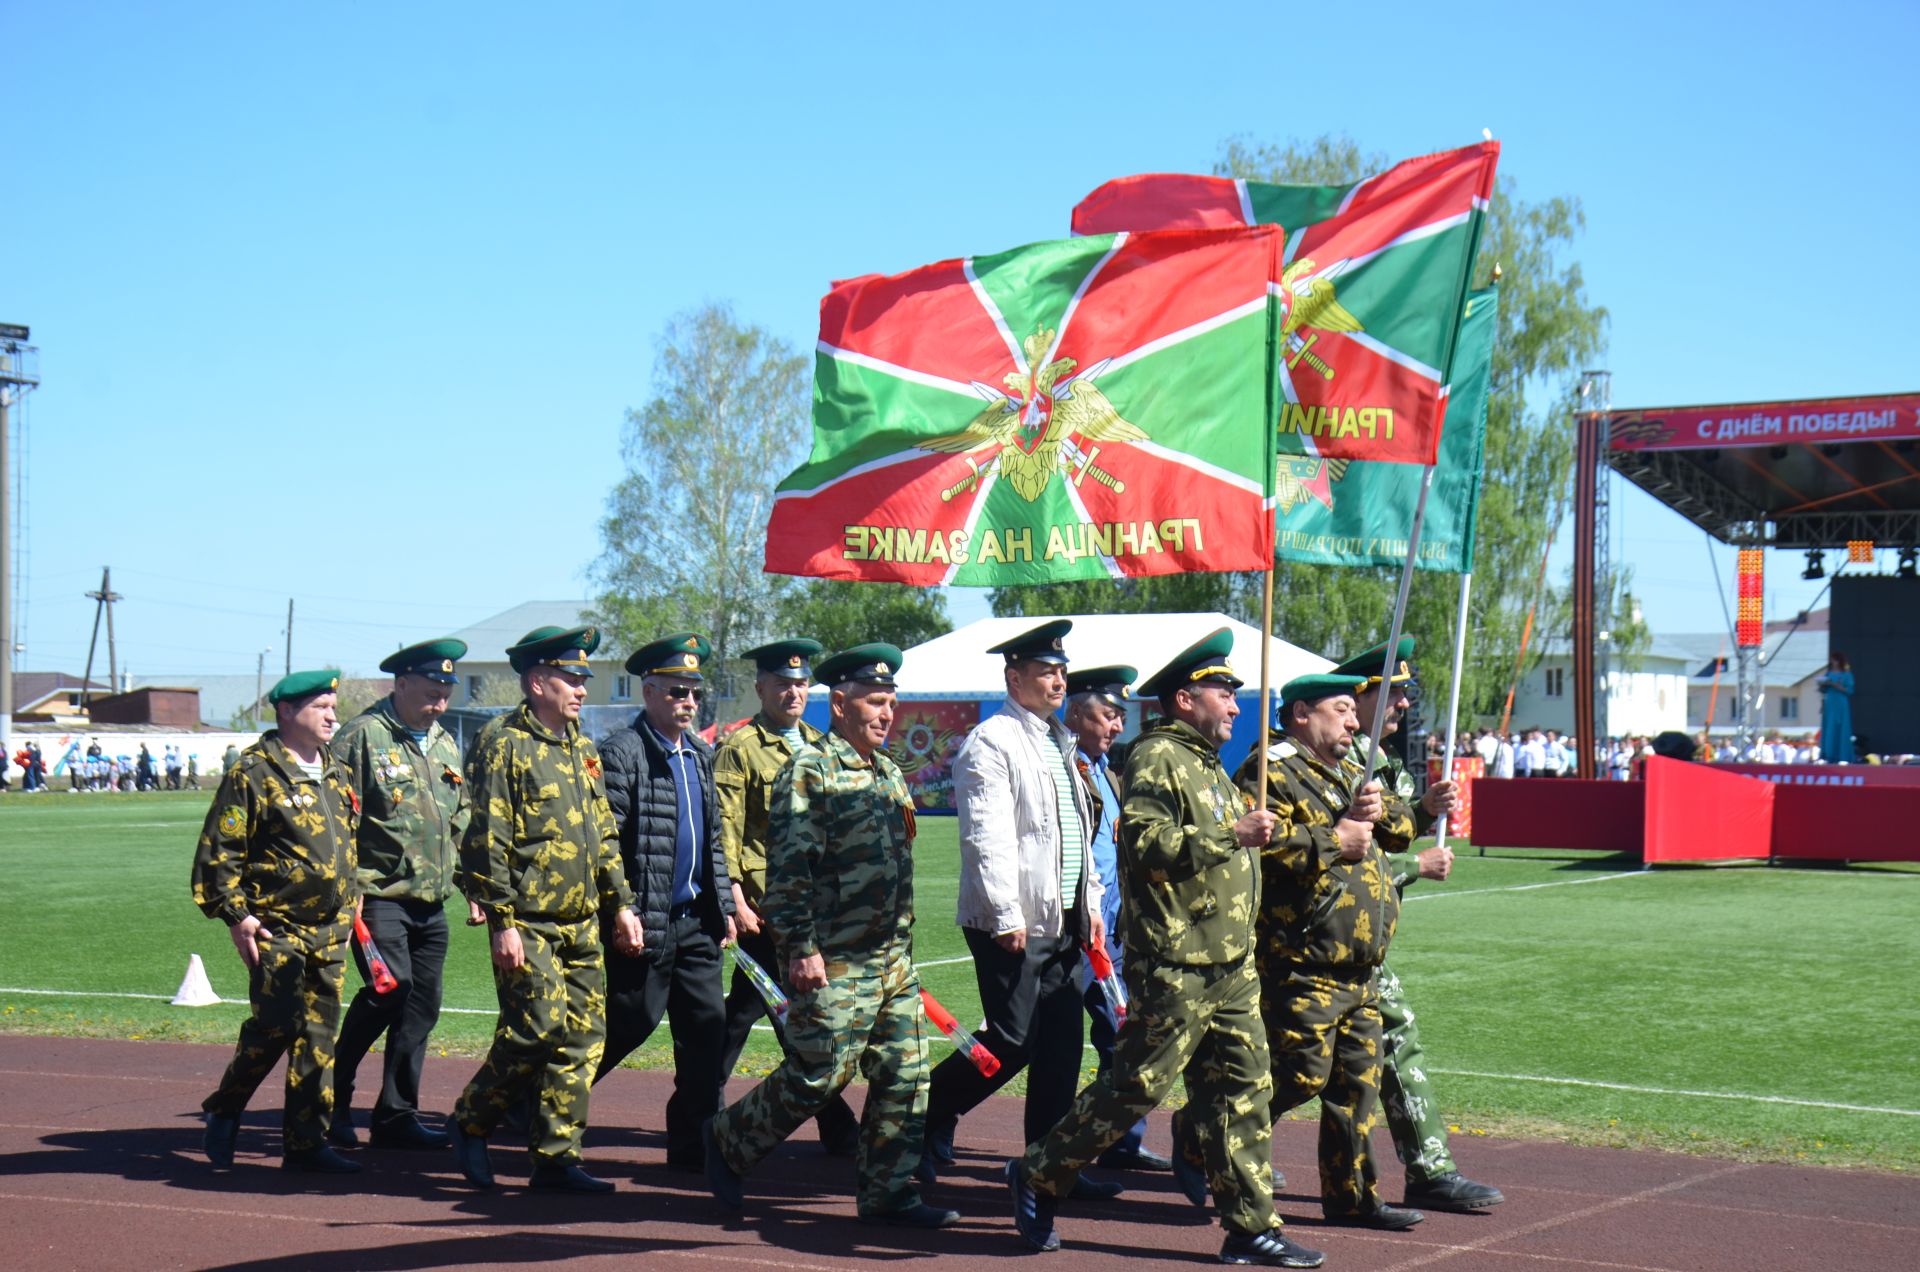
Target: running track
{"points": [[100, 1168]]}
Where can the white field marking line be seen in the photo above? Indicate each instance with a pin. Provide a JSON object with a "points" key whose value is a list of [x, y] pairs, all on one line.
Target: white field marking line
{"points": [[91, 1077], [1489, 1242], [1540, 1190], [1702, 1095], [1526, 887], [607, 1244], [1445, 1249]]}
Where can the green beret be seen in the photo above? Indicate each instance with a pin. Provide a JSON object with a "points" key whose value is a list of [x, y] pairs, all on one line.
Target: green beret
{"points": [[433, 659], [785, 658], [677, 655], [564, 647], [873, 664], [303, 684], [1203, 662], [1041, 644], [1313, 688], [1368, 664], [1110, 683]]}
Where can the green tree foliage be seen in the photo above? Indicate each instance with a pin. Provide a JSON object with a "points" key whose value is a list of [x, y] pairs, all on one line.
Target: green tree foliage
{"points": [[839, 614], [1548, 332], [685, 528]]}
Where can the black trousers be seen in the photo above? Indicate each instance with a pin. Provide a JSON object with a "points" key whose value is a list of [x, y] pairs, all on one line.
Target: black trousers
{"points": [[412, 936], [1034, 1021], [678, 980], [745, 1008]]}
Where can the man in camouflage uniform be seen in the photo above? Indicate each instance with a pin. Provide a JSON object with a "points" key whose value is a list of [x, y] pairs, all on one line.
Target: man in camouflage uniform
{"points": [[541, 858], [1413, 1114], [414, 810], [840, 901], [1191, 887], [275, 863], [1328, 910], [744, 770]]}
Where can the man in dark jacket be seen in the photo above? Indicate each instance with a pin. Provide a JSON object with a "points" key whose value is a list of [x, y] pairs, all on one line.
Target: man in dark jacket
{"points": [[660, 783]]}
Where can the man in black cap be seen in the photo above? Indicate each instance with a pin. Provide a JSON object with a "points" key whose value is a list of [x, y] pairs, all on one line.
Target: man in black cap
{"points": [[660, 784], [744, 770], [413, 811], [1029, 896], [541, 859]]}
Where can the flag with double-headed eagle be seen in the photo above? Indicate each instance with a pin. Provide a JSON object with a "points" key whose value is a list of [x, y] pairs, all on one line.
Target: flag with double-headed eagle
{"points": [[1089, 408], [1349, 512], [1369, 286]]}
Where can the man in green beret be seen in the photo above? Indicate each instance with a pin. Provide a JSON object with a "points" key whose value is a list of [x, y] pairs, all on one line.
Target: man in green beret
{"points": [[1413, 1113], [541, 859], [1328, 910], [744, 770], [275, 863], [660, 786], [413, 813], [1191, 885], [840, 901]]}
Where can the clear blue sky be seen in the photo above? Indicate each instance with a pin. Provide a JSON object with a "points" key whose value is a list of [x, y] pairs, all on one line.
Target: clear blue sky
{"points": [[346, 302]]}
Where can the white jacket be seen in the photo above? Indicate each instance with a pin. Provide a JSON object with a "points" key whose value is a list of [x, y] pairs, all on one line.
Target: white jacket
{"points": [[1009, 843]]}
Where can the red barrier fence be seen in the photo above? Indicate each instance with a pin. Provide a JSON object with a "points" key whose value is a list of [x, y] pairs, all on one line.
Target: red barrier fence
{"points": [[1697, 814], [1829, 775], [1565, 812]]}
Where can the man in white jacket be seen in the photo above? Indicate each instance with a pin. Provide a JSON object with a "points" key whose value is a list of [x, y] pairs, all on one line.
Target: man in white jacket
{"points": [[1029, 896]]}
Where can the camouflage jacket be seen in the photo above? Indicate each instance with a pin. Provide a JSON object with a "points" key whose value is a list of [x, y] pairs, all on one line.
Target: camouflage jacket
{"points": [[840, 860], [542, 843], [1406, 817], [1317, 908], [744, 768], [1189, 889], [277, 844], [413, 804]]}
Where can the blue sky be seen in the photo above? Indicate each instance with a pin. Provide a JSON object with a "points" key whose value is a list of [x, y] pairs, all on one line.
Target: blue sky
{"points": [[346, 302]]}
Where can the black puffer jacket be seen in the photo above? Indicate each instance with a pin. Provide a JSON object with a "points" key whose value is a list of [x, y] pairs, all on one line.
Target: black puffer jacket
{"points": [[641, 789]]}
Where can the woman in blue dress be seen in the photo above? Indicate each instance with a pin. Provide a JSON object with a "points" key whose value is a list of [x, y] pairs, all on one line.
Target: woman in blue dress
{"points": [[1836, 710]]}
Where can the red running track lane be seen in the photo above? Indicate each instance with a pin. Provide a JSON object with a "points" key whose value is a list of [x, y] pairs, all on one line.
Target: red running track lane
{"points": [[100, 1167]]}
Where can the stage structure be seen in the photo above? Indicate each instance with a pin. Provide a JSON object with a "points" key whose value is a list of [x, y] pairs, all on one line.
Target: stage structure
{"points": [[1831, 474]]}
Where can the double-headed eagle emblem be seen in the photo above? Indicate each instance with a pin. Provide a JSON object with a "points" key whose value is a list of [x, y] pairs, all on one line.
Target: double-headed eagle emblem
{"points": [[1037, 420]]}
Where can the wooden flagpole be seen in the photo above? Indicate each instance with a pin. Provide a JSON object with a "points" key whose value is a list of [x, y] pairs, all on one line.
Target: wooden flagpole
{"points": [[1393, 634], [1266, 680]]}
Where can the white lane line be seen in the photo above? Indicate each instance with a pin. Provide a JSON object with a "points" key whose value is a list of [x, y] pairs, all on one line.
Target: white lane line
{"points": [[945, 962], [1526, 887], [1700, 1095]]}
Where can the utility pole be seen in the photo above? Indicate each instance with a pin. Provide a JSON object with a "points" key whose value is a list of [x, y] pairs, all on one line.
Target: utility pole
{"points": [[103, 601], [289, 636], [16, 379]]}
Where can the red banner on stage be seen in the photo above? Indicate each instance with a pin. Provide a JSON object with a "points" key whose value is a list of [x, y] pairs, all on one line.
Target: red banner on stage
{"points": [[1853, 419]]}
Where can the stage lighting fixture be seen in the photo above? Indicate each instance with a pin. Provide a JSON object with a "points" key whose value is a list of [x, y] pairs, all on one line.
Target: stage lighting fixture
{"points": [[1909, 563], [1815, 569]]}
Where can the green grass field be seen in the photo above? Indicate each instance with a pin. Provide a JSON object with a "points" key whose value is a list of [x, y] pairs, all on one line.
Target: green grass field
{"points": [[1723, 1011]]}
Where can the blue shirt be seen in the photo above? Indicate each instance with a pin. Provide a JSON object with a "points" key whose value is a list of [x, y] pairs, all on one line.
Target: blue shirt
{"points": [[1105, 848], [690, 824]]}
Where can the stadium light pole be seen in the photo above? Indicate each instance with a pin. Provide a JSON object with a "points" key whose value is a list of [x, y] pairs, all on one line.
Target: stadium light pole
{"points": [[16, 379]]}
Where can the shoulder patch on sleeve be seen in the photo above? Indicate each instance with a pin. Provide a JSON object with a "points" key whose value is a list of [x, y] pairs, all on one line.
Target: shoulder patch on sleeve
{"points": [[232, 821]]}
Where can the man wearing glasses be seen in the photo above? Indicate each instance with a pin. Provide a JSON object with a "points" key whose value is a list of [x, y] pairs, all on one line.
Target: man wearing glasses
{"points": [[660, 783]]}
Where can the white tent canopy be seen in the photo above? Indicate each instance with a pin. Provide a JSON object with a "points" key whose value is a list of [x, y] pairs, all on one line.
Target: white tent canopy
{"points": [[957, 665]]}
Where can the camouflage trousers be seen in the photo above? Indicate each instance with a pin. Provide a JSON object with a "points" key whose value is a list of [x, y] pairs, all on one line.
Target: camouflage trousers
{"points": [[295, 991], [869, 1023], [1413, 1115], [553, 1022], [1201, 1022], [1324, 1030]]}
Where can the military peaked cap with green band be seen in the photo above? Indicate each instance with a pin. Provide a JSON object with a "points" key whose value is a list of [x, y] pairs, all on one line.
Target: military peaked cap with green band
{"points": [[787, 659], [1313, 688], [677, 655], [1040, 644], [303, 684], [873, 664], [1110, 683], [1368, 665], [564, 647], [433, 659], [1203, 662]]}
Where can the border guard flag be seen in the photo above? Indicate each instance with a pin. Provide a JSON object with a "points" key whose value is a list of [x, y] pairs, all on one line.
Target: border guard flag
{"points": [[1089, 408], [1370, 287]]}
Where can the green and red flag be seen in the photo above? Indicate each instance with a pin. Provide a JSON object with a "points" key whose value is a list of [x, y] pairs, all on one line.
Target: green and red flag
{"points": [[1349, 512], [1089, 408], [1370, 286]]}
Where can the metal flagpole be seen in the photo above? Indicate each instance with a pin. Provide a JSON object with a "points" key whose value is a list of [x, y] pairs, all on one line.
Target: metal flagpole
{"points": [[1393, 635], [1453, 697]]}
